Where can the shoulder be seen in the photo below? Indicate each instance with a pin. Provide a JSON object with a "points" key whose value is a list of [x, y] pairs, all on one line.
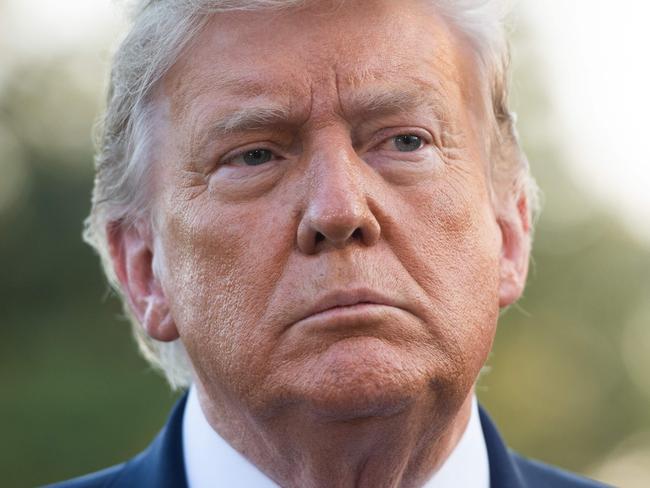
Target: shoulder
{"points": [[540, 475], [511, 470], [101, 479], [161, 465]]}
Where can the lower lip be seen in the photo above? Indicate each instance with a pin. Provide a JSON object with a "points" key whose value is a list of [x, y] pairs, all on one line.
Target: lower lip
{"points": [[362, 313]]}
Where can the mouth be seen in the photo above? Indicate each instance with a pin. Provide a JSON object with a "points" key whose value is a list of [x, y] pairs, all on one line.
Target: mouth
{"points": [[349, 304]]}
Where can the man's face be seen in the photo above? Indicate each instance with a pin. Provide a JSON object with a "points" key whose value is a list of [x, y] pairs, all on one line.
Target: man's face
{"points": [[320, 157]]}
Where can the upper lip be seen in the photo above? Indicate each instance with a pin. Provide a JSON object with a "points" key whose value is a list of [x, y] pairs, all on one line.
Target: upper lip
{"points": [[349, 297]]}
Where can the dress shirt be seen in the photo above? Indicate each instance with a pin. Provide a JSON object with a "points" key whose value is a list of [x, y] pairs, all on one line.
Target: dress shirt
{"points": [[210, 462]]}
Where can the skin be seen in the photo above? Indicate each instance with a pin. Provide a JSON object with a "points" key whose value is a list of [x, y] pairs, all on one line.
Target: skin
{"points": [[373, 395]]}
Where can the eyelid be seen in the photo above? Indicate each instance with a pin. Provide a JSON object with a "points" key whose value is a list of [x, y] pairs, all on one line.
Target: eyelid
{"points": [[240, 151], [387, 134]]}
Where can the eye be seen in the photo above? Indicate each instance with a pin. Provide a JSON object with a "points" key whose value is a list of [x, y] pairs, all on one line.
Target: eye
{"points": [[408, 142], [254, 157]]}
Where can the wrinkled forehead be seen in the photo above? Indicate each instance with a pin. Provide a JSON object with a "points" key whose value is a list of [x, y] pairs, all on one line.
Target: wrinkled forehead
{"points": [[320, 53]]}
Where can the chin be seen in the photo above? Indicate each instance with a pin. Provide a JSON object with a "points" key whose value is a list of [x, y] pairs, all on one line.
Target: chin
{"points": [[361, 377]]}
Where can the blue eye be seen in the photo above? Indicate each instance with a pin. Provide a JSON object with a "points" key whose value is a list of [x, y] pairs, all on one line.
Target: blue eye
{"points": [[407, 142], [257, 157]]}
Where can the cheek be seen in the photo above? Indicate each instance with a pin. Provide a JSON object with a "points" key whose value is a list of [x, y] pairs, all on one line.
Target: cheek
{"points": [[223, 262], [452, 222], [451, 248]]}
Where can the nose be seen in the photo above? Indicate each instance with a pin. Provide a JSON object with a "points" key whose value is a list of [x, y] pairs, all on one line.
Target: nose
{"points": [[337, 212]]}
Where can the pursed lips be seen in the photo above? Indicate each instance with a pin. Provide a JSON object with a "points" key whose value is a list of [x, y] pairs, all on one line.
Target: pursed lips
{"points": [[348, 298]]}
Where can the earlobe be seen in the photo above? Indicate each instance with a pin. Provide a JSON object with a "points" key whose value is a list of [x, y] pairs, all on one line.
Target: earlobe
{"points": [[515, 227], [132, 256], [158, 320]]}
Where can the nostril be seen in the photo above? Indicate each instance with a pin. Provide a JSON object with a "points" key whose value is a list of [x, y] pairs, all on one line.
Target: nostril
{"points": [[319, 237], [357, 234]]}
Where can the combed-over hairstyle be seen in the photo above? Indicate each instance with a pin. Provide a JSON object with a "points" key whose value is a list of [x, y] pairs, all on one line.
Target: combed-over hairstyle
{"points": [[160, 31]]}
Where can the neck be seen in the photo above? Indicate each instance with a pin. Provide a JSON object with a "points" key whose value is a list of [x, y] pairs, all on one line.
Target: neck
{"points": [[297, 449]]}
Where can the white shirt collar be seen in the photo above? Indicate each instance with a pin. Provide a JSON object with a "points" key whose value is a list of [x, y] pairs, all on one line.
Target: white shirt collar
{"points": [[467, 465], [210, 462]]}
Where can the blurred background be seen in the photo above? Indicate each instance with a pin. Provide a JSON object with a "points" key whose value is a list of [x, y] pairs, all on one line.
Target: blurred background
{"points": [[569, 379]]}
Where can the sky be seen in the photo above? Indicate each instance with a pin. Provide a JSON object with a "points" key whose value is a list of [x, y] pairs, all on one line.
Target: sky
{"points": [[596, 71]]}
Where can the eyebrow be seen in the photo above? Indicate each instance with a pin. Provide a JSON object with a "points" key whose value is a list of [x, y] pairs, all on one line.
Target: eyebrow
{"points": [[361, 104], [250, 119], [382, 102], [240, 120]]}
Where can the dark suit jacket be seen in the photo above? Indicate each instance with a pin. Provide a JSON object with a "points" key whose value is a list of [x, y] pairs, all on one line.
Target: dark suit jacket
{"points": [[161, 464]]}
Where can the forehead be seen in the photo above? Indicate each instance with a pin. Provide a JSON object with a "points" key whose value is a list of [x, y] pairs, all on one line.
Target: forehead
{"points": [[294, 56]]}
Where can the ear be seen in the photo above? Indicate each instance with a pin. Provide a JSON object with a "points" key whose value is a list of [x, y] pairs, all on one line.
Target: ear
{"points": [[514, 222], [131, 250]]}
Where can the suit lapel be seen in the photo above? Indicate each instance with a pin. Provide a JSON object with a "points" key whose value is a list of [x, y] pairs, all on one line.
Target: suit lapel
{"points": [[161, 465], [504, 473]]}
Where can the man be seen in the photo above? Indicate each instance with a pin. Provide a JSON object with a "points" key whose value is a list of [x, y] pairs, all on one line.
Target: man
{"points": [[314, 211]]}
